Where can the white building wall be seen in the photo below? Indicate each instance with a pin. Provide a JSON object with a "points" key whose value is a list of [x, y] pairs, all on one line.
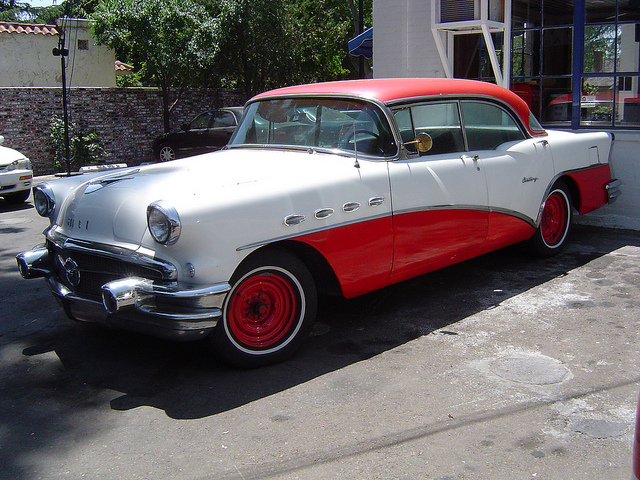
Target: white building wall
{"points": [[403, 45], [26, 60], [625, 166]]}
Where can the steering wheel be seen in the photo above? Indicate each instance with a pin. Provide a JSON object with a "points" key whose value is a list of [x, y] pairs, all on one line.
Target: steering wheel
{"points": [[348, 139]]}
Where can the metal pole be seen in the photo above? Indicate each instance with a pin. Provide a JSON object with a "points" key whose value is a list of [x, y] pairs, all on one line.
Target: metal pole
{"points": [[62, 52]]}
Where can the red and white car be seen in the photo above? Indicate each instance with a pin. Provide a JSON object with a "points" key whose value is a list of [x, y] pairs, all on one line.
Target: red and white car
{"points": [[340, 187]]}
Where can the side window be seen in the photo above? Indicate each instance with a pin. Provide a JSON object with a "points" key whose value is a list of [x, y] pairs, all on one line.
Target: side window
{"points": [[440, 120], [487, 125], [224, 119], [201, 121]]}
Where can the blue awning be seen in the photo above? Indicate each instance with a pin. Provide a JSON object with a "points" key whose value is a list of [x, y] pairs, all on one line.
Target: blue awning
{"points": [[362, 44]]}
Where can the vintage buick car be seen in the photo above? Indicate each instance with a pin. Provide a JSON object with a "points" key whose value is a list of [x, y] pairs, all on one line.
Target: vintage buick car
{"points": [[341, 187]]}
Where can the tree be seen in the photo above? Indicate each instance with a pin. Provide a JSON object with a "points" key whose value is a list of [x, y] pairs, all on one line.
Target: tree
{"points": [[271, 43], [167, 41]]}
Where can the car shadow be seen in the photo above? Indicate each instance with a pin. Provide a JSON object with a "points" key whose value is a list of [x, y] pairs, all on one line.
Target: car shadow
{"points": [[14, 207], [186, 382]]}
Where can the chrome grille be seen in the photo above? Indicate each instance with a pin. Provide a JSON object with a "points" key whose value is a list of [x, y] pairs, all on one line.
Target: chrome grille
{"points": [[95, 270]]}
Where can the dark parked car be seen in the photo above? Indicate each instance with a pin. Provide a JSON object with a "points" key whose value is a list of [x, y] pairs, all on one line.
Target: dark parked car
{"points": [[207, 132]]}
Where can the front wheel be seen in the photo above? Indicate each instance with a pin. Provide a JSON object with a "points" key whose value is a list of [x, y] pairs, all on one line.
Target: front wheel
{"points": [[268, 313], [552, 233]]}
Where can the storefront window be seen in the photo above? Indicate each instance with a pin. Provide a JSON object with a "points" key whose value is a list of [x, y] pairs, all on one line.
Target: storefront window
{"points": [[544, 45], [525, 48], [596, 101], [628, 101], [526, 14], [557, 13], [557, 44], [556, 101], [628, 11], [600, 48]]}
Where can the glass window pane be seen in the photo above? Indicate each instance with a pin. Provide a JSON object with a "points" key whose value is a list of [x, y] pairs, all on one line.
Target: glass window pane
{"points": [[556, 101], [628, 11], [601, 11], [599, 48], [526, 13], [557, 12], [628, 48], [488, 126], [628, 101], [525, 56], [528, 89], [596, 101], [442, 122], [201, 121], [557, 51]]}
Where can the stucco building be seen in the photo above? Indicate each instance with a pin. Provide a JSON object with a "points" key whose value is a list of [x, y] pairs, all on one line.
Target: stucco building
{"points": [[26, 58]]}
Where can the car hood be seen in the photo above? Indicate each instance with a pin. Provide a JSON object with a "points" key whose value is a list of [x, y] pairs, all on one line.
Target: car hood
{"points": [[9, 155], [112, 208]]}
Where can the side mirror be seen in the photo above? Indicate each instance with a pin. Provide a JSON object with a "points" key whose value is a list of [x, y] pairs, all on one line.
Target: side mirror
{"points": [[423, 142], [185, 127]]}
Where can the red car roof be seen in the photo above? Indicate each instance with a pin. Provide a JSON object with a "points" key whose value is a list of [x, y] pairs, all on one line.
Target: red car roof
{"points": [[388, 90]]}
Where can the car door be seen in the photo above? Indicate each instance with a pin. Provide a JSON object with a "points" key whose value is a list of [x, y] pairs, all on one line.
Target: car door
{"points": [[439, 197], [518, 169], [220, 130], [194, 135]]}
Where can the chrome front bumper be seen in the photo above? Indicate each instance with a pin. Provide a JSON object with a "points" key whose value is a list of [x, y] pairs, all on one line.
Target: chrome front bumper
{"points": [[132, 303]]}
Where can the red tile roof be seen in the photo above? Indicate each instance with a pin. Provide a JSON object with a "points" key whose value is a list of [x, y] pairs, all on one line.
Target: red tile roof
{"points": [[37, 29]]}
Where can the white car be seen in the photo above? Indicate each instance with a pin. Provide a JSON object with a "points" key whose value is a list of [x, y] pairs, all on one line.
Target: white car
{"points": [[341, 187], [16, 175]]}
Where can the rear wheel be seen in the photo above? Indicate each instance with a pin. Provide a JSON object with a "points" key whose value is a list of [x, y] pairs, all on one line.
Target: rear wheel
{"points": [[166, 153], [555, 222], [268, 313]]}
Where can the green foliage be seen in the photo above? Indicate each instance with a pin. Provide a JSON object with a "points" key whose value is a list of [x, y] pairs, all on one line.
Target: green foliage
{"points": [[271, 43], [84, 145], [167, 40]]}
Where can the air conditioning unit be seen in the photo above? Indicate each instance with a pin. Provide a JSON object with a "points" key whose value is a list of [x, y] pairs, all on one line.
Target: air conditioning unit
{"points": [[452, 11]]}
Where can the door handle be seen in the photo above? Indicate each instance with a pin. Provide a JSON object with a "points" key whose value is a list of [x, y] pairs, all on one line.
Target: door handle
{"points": [[474, 158]]}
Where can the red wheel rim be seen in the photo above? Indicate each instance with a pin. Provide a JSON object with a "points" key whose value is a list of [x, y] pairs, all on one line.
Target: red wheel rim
{"points": [[554, 219], [262, 310]]}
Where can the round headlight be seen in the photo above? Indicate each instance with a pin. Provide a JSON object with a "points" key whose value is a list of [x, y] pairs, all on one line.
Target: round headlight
{"points": [[43, 200], [164, 223]]}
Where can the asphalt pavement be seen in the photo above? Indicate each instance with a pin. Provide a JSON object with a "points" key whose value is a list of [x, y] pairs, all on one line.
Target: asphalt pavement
{"points": [[501, 367]]}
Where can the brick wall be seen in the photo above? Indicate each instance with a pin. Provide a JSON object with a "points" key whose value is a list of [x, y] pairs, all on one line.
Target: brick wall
{"points": [[127, 119]]}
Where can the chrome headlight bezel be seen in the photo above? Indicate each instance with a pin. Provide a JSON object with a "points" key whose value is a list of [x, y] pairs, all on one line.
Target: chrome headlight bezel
{"points": [[44, 200], [163, 223], [20, 164]]}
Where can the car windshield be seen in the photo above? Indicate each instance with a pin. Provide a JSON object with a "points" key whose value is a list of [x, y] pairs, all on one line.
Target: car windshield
{"points": [[346, 125]]}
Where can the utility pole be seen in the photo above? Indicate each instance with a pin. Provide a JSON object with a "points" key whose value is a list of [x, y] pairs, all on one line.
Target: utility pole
{"points": [[62, 52]]}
